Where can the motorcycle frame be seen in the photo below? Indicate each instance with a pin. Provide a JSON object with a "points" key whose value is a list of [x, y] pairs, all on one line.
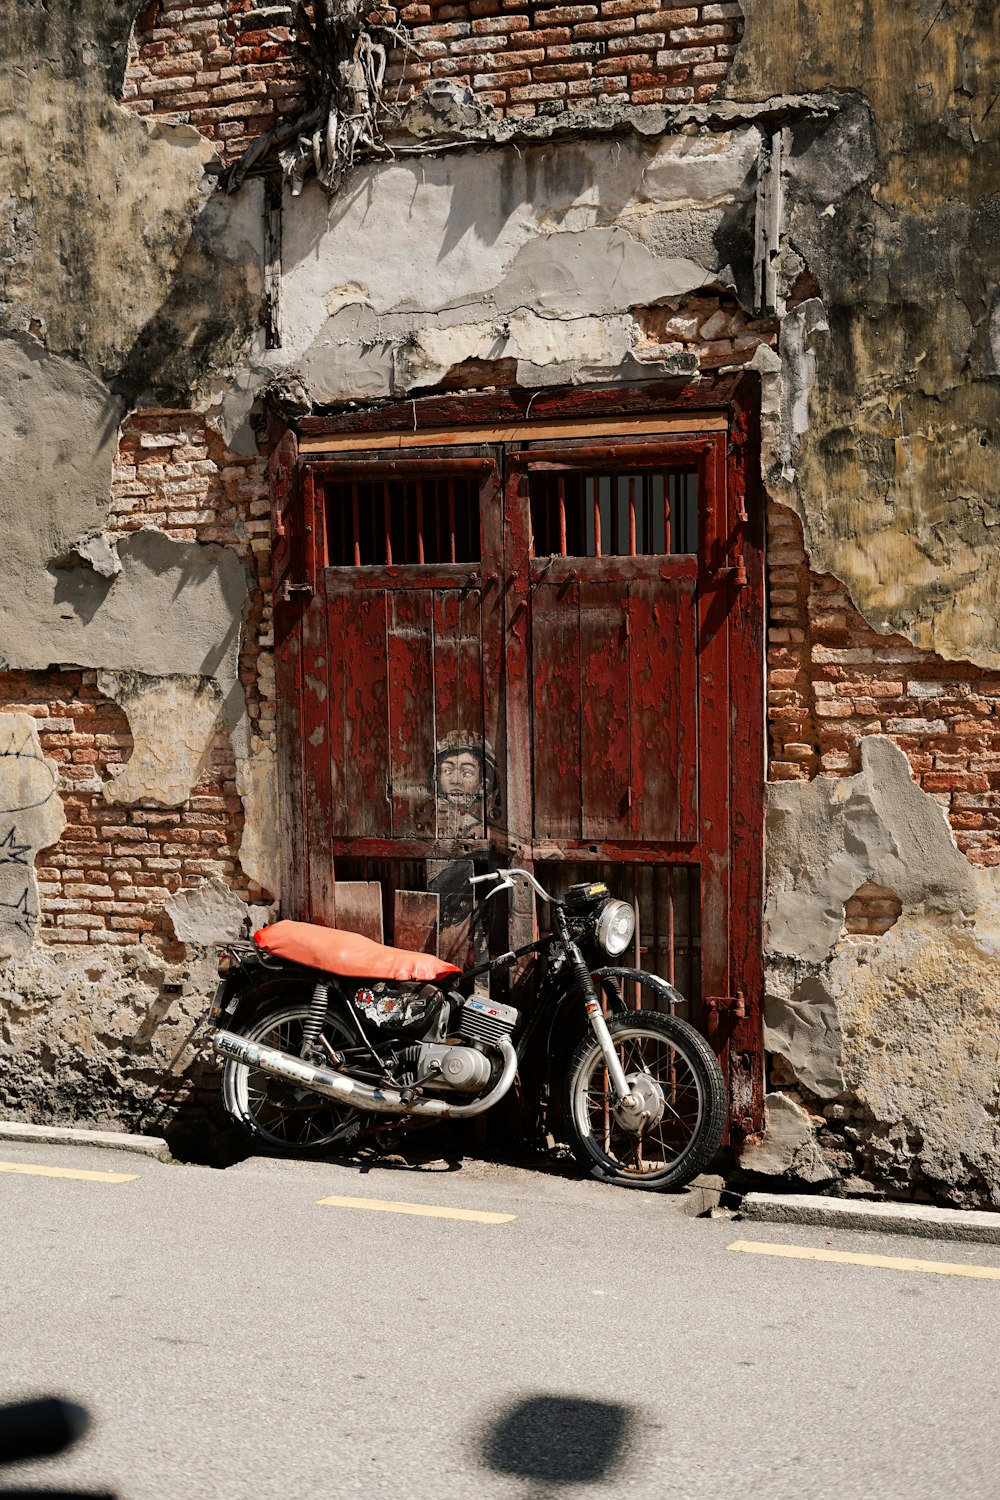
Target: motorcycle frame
{"points": [[547, 1005]]}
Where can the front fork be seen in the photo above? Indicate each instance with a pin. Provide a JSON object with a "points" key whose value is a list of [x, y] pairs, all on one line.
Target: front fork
{"points": [[595, 1015]]}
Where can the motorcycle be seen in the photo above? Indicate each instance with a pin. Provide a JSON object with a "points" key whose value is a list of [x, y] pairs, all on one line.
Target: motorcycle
{"points": [[327, 1038]]}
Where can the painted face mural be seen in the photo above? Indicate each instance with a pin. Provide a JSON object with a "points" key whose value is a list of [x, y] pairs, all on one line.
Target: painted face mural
{"points": [[465, 785]]}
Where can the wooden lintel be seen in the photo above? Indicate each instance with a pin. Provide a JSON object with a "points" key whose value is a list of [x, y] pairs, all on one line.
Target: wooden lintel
{"points": [[517, 432]]}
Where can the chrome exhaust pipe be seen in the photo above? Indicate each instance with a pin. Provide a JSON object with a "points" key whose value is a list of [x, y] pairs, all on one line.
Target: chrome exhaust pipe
{"points": [[349, 1090]]}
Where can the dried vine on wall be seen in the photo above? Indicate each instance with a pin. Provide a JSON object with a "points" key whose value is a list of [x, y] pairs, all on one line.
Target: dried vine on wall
{"points": [[344, 47]]}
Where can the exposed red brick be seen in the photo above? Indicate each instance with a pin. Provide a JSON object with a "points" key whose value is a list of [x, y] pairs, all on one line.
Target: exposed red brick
{"points": [[832, 680], [233, 84]]}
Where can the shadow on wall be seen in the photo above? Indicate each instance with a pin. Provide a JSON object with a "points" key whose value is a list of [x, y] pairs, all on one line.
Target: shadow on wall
{"points": [[209, 315], [559, 1440]]}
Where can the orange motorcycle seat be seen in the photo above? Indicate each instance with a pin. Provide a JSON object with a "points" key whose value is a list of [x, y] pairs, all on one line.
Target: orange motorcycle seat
{"points": [[348, 953]]}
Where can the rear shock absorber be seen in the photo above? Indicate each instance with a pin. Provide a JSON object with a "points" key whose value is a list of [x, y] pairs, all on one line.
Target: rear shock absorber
{"points": [[314, 1020]]}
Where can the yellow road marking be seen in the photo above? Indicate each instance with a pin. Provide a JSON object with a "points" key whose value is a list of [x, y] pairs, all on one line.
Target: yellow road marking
{"points": [[423, 1210], [852, 1258], [30, 1170]]}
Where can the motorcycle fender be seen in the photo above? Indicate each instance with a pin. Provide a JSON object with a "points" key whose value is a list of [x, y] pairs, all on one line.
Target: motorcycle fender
{"points": [[217, 1006]]}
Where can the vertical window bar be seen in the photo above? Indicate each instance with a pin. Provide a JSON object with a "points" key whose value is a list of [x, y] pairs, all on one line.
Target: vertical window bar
{"points": [[387, 521], [356, 524], [561, 491], [451, 520], [666, 512], [404, 527], [631, 515], [597, 517], [420, 521]]}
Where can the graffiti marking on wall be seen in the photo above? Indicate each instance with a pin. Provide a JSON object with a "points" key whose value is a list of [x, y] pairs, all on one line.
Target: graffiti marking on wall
{"points": [[31, 819]]}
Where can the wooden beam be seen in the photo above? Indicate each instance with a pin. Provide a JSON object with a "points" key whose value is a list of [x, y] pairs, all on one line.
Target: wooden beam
{"points": [[446, 437]]}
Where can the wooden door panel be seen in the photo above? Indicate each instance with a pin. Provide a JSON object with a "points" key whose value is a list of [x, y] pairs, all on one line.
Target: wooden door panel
{"points": [[663, 681], [359, 668], [555, 646], [411, 699], [603, 683], [605, 802]]}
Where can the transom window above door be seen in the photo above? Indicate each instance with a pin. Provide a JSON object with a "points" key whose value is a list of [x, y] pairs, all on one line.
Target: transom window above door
{"points": [[617, 514], [414, 519]]}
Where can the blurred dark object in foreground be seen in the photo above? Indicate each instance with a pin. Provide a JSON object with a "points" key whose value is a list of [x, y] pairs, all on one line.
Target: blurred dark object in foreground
{"points": [[41, 1429]]}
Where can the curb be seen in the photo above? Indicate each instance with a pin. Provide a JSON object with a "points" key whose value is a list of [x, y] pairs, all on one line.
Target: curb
{"points": [[70, 1135], [887, 1218]]}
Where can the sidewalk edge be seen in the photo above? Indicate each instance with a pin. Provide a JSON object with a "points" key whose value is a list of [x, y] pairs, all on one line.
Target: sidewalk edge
{"points": [[887, 1218], [71, 1135]]}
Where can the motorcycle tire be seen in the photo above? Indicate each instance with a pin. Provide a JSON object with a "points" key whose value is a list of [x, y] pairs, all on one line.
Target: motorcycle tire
{"points": [[687, 1092], [276, 1117]]}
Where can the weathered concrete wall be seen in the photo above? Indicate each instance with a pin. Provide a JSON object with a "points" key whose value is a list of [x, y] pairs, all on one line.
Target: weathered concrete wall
{"points": [[540, 256], [535, 250], [893, 1041], [124, 279], [896, 475]]}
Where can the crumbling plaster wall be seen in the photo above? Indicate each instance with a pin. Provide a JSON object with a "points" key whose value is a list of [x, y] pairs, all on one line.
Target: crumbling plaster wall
{"points": [[881, 432], [895, 477], [128, 281], [537, 255], [891, 1042], [125, 281]]}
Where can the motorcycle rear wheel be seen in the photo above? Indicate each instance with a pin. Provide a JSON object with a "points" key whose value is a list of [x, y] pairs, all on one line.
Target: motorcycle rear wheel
{"points": [[673, 1064], [276, 1116]]}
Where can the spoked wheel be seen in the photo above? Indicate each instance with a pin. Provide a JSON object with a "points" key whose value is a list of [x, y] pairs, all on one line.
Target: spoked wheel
{"points": [[676, 1123], [279, 1116]]}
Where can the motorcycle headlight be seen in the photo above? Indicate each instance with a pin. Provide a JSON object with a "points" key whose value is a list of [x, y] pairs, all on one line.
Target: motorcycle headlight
{"points": [[615, 927]]}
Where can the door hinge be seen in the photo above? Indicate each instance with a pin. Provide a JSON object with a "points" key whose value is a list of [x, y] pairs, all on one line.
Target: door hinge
{"points": [[736, 1003], [288, 589]]}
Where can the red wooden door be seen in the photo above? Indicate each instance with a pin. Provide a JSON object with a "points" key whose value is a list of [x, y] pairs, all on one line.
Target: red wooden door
{"points": [[580, 618], [400, 646], [626, 563]]}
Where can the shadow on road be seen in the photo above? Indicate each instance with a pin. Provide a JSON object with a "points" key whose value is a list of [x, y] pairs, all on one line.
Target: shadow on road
{"points": [[559, 1440]]}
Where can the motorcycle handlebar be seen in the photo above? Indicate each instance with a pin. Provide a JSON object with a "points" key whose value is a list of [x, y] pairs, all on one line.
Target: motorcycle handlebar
{"points": [[507, 877]]}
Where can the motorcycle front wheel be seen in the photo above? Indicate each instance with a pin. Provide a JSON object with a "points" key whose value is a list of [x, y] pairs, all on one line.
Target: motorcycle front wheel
{"points": [[280, 1117], [679, 1123]]}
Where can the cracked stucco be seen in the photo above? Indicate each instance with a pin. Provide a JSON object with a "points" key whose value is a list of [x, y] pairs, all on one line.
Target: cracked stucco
{"points": [[906, 1023], [125, 280], [896, 476], [535, 256]]}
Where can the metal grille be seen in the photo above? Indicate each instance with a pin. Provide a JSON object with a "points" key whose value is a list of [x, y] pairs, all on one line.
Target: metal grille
{"points": [[477, 1026], [372, 523], [613, 515], [665, 899]]}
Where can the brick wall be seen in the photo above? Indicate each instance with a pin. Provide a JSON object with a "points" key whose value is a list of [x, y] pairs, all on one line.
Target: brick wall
{"points": [[231, 67], [711, 326], [173, 472], [226, 66], [525, 58], [832, 680], [106, 878]]}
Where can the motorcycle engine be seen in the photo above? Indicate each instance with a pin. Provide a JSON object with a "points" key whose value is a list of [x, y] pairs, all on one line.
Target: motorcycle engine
{"points": [[468, 1069]]}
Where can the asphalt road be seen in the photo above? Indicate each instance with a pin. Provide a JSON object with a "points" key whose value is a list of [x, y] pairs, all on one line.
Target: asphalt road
{"points": [[233, 1337]]}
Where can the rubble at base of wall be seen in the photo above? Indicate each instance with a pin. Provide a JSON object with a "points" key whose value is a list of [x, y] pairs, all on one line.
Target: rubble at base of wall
{"points": [[103, 1037]]}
